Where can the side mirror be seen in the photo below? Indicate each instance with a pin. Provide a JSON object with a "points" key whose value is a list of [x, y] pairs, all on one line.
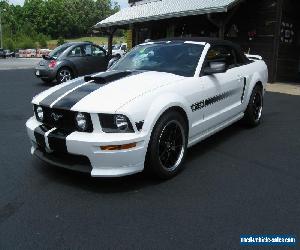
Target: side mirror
{"points": [[215, 68]]}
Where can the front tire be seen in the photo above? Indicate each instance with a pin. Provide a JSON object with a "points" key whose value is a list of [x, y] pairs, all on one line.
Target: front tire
{"points": [[168, 145], [254, 109]]}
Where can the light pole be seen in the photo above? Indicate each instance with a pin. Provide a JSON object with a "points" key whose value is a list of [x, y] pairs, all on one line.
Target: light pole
{"points": [[1, 32]]}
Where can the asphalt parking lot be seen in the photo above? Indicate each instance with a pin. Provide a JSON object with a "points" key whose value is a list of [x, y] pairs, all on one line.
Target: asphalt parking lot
{"points": [[18, 63], [240, 181]]}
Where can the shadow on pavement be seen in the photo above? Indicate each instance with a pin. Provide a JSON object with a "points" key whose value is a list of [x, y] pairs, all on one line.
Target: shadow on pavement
{"points": [[128, 183]]}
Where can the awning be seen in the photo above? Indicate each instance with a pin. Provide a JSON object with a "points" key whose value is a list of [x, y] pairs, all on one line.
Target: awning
{"points": [[163, 9]]}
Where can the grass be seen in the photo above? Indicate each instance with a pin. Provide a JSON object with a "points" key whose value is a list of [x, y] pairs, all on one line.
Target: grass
{"points": [[97, 40]]}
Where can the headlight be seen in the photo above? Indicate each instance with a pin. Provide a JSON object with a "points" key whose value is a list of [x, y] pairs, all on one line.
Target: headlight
{"points": [[121, 122], [39, 113], [115, 124], [81, 121]]}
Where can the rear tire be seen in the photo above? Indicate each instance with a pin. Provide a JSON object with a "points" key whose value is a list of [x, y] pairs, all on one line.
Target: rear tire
{"points": [[63, 75], [254, 109], [168, 145]]}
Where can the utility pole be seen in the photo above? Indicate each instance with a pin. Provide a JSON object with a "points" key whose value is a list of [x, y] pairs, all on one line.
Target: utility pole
{"points": [[1, 30]]}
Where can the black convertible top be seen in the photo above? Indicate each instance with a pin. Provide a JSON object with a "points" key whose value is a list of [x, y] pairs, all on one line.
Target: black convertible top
{"points": [[210, 40]]}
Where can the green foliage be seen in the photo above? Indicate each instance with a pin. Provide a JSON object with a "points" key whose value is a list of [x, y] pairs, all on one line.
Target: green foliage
{"points": [[60, 41], [37, 21], [42, 40], [9, 44], [25, 42]]}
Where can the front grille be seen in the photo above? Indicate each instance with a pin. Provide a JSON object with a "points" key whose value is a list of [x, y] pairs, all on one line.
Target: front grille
{"points": [[74, 162], [63, 119]]}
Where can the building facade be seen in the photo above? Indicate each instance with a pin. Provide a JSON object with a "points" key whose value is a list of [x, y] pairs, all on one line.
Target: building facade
{"points": [[269, 28]]}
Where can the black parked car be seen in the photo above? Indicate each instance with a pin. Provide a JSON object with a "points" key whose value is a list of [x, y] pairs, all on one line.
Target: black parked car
{"points": [[9, 53], [2, 53], [71, 60]]}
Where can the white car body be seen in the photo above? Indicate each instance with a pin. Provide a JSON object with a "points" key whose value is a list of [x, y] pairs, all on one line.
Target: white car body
{"points": [[210, 103]]}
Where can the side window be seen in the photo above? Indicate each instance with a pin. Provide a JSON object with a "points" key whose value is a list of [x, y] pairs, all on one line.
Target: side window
{"points": [[75, 52], [87, 50], [96, 51], [222, 54]]}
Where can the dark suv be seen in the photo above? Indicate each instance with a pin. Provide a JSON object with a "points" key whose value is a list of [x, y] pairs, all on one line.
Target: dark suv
{"points": [[71, 60], [2, 53]]}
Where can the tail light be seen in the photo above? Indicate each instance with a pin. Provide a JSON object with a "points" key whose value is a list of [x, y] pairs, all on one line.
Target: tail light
{"points": [[52, 64]]}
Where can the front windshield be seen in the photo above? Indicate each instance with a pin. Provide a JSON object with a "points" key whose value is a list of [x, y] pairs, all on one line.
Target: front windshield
{"points": [[172, 57], [58, 51]]}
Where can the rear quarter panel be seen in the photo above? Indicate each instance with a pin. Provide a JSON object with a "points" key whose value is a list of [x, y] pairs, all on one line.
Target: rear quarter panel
{"points": [[255, 72]]}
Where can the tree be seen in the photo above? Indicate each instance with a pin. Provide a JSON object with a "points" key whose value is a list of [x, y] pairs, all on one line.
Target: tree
{"points": [[39, 20]]}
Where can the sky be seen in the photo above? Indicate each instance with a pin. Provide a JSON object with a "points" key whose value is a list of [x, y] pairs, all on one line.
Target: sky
{"points": [[122, 3]]}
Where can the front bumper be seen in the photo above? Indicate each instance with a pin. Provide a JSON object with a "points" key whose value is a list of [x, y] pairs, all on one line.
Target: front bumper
{"points": [[70, 151]]}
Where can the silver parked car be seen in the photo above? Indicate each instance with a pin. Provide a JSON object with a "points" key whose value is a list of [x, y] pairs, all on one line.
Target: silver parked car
{"points": [[71, 60]]}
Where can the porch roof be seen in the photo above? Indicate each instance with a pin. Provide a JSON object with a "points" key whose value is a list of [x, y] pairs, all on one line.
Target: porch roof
{"points": [[163, 9]]}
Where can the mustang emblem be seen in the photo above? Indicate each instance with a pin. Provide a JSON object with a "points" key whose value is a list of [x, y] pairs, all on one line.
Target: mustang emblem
{"points": [[56, 117]]}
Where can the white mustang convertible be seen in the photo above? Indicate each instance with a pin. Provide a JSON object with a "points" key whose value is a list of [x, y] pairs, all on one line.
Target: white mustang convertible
{"points": [[148, 108]]}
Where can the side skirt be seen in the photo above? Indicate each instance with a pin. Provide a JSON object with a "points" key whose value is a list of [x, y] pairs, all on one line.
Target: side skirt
{"points": [[214, 130]]}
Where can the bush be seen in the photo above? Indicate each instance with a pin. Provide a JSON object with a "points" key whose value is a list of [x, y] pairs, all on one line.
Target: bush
{"points": [[42, 40], [8, 43], [60, 41], [26, 42]]}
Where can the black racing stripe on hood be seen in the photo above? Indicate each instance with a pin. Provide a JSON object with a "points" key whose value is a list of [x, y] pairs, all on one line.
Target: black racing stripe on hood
{"points": [[75, 96], [58, 93], [110, 76], [98, 81]]}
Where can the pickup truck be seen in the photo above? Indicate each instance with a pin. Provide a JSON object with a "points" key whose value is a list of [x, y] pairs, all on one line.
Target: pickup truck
{"points": [[148, 108], [119, 49]]}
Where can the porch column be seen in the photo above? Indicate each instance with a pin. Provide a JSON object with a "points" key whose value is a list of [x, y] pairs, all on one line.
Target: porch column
{"points": [[110, 36], [222, 27], [109, 43]]}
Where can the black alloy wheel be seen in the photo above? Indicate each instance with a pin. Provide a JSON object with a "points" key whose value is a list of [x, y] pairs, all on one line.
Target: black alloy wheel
{"points": [[253, 113], [168, 145]]}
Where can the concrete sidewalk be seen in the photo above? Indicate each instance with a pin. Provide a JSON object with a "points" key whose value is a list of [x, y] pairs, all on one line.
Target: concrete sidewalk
{"points": [[284, 88]]}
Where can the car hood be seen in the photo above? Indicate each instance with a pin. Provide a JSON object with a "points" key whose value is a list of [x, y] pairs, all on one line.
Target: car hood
{"points": [[104, 92]]}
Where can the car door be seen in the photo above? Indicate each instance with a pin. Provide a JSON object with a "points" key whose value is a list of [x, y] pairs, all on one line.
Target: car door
{"points": [[220, 95], [96, 58], [77, 59]]}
